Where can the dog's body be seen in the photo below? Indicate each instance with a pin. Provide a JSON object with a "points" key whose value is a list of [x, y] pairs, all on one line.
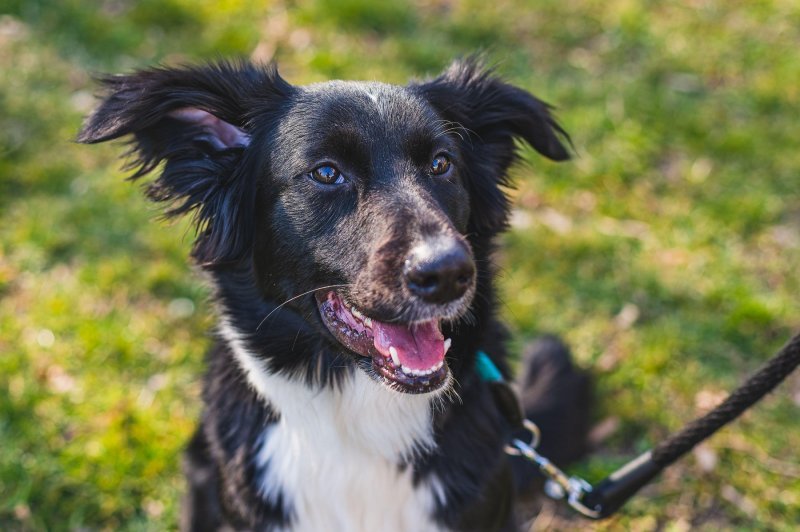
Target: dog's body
{"points": [[346, 229]]}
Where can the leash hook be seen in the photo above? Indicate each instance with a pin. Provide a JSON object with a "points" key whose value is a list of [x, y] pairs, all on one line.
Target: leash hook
{"points": [[558, 483]]}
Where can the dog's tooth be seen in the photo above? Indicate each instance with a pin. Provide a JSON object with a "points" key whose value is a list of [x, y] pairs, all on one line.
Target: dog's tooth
{"points": [[447, 343], [368, 322], [408, 371], [393, 353]]}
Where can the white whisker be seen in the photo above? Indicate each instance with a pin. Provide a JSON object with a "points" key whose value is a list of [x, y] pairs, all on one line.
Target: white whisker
{"points": [[296, 297]]}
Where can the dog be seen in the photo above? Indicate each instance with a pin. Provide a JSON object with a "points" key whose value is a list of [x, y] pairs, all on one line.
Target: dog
{"points": [[347, 230]]}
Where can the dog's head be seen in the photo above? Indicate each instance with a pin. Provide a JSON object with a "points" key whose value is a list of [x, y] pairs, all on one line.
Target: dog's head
{"points": [[366, 200]]}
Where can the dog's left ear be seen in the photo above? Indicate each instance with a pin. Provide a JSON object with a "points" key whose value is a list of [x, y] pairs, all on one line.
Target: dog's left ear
{"points": [[197, 120], [491, 113]]}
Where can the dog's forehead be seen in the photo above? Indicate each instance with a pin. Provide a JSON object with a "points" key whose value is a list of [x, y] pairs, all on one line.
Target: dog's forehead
{"points": [[364, 101], [358, 121]]}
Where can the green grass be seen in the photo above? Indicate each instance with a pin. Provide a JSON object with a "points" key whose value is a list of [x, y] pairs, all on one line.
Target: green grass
{"points": [[667, 253]]}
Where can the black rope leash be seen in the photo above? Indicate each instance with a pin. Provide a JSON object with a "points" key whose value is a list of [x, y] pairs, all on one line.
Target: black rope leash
{"points": [[604, 499]]}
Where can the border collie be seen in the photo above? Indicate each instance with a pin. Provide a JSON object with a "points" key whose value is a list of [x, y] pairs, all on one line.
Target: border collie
{"points": [[346, 229]]}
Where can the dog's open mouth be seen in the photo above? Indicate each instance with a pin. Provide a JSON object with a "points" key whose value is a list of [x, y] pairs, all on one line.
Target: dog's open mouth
{"points": [[409, 358]]}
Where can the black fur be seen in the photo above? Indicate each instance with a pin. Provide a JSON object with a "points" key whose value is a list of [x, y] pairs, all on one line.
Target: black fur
{"points": [[267, 232]]}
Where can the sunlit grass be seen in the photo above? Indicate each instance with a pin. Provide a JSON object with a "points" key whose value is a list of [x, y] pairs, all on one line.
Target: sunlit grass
{"points": [[666, 252]]}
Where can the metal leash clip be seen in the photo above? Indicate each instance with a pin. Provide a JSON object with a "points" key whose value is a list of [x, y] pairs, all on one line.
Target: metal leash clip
{"points": [[558, 483]]}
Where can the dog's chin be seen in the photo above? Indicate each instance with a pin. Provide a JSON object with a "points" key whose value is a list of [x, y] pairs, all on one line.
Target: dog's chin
{"points": [[408, 358]]}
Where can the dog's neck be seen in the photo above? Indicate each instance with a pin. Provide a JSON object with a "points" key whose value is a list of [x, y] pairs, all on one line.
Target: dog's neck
{"points": [[336, 455], [365, 413]]}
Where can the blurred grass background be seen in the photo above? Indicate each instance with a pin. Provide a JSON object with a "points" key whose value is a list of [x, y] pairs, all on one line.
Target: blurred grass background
{"points": [[667, 253]]}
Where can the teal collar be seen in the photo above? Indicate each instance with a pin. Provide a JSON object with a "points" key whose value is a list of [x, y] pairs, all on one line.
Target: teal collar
{"points": [[486, 368]]}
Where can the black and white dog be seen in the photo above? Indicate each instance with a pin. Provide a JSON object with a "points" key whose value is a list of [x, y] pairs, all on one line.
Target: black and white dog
{"points": [[346, 229]]}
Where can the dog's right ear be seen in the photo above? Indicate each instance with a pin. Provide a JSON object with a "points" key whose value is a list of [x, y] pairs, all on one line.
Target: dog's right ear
{"points": [[196, 120], [493, 115]]}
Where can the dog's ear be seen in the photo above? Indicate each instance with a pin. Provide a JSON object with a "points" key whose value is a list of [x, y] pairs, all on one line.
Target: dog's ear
{"points": [[196, 120], [491, 113]]}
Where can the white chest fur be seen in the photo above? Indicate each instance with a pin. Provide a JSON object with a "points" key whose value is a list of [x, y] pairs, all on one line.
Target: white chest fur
{"points": [[334, 454]]}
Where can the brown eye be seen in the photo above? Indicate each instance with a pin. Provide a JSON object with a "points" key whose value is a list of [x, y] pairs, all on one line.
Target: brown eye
{"points": [[440, 164], [327, 175]]}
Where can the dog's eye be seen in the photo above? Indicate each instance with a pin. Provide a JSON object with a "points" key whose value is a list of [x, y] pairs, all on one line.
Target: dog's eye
{"points": [[327, 175], [440, 164]]}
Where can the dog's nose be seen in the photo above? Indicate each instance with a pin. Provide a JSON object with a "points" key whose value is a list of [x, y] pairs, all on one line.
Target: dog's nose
{"points": [[439, 270]]}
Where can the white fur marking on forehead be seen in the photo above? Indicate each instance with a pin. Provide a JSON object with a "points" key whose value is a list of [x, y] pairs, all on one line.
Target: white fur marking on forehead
{"points": [[370, 92], [374, 93]]}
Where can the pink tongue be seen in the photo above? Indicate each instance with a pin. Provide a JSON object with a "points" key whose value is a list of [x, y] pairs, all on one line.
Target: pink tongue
{"points": [[420, 347]]}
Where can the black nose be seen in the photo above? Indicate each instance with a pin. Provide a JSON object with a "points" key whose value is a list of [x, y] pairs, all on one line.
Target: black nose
{"points": [[439, 270]]}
